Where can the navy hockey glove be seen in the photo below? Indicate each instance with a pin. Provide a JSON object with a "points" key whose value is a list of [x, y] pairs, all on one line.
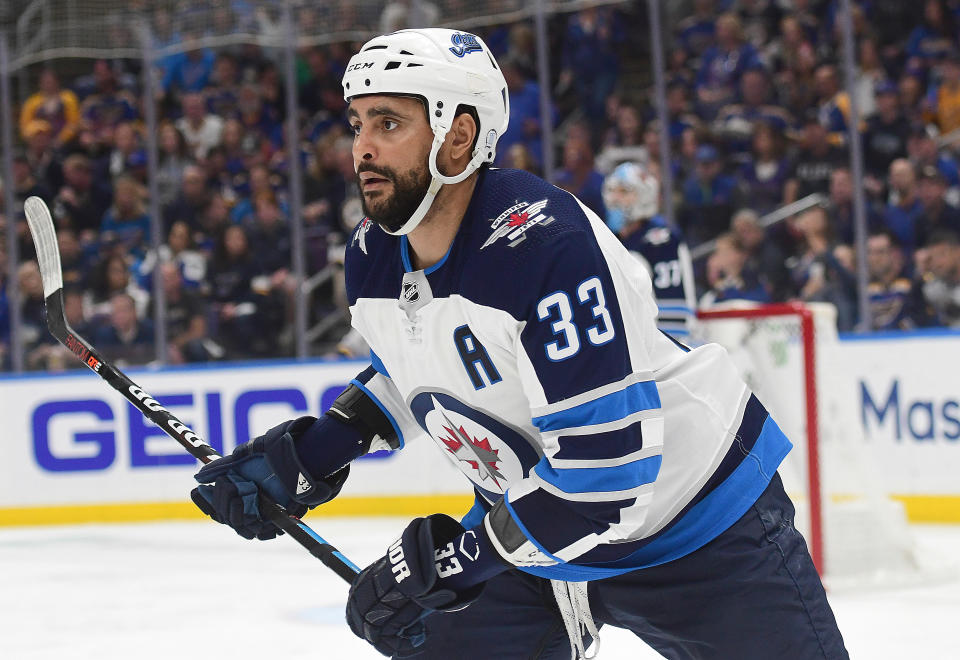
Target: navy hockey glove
{"points": [[269, 462], [389, 599]]}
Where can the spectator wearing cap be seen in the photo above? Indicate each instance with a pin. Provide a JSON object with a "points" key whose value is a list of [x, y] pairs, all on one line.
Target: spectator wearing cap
{"points": [[893, 298], [58, 107], [41, 155], [904, 209], [946, 96], [886, 133], [708, 197], [814, 161], [937, 214], [941, 286], [722, 65]]}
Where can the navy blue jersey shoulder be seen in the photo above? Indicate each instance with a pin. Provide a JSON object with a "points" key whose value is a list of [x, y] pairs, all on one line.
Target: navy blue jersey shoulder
{"points": [[373, 266], [522, 236]]}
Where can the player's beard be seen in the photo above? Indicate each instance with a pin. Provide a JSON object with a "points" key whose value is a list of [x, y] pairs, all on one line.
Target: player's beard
{"points": [[409, 189]]}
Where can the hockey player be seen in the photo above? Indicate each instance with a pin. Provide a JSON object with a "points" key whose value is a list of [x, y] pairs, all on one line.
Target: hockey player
{"points": [[621, 478], [631, 196]]}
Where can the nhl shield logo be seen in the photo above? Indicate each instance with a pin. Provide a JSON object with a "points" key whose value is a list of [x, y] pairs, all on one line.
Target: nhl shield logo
{"points": [[411, 292]]}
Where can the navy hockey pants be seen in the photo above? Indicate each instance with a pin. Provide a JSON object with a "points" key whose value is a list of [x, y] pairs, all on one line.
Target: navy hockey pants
{"points": [[751, 593]]}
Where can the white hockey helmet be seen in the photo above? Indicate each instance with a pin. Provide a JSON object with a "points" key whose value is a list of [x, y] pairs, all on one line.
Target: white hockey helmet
{"points": [[632, 190], [445, 68]]}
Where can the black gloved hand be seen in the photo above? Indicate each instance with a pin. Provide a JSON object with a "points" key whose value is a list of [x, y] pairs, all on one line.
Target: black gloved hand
{"points": [[389, 598], [269, 462]]}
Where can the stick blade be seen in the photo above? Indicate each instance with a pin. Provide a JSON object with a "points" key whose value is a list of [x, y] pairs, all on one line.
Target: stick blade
{"points": [[45, 240]]}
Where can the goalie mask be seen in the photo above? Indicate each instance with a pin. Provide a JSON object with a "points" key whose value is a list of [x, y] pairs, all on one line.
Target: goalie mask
{"points": [[446, 69], [630, 193]]}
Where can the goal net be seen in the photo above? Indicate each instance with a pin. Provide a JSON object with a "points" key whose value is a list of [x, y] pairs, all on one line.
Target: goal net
{"points": [[788, 355]]}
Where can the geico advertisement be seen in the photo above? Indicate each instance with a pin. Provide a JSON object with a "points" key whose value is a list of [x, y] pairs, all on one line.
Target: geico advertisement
{"points": [[908, 396], [72, 439]]}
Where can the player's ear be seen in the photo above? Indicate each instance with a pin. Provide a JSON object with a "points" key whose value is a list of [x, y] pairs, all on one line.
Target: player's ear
{"points": [[461, 136]]}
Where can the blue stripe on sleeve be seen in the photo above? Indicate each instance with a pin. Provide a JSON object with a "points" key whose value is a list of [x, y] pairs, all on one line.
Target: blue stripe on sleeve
{"points": [[378, 364], [608, 408], [601, 480], [393, 422]]}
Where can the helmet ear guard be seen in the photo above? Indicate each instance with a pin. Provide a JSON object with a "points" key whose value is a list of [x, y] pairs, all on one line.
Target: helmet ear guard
{"points": [[447, 69]]}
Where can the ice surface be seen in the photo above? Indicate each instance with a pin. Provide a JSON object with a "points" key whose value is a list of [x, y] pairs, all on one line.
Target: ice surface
{"points": [[196, 590]]}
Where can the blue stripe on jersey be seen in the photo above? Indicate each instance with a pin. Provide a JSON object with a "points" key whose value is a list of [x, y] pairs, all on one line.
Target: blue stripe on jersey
{"points": [[475, 515], [393, 422], [378, 364], [675, 308], [600, 480], [608, 408]]}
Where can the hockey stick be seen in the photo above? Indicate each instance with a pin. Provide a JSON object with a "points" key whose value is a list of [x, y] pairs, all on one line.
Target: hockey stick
{"points": [[48, 256]]}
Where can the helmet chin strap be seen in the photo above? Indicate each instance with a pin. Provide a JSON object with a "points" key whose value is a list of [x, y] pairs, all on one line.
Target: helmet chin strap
{"points": [[436, 182]]}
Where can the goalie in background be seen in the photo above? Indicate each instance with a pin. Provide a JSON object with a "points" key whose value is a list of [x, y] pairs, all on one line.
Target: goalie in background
{"points": [[631, 195]]}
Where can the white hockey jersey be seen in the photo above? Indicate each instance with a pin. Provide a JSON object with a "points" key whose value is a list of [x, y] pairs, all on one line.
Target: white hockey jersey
{"points": [[530, 356]]}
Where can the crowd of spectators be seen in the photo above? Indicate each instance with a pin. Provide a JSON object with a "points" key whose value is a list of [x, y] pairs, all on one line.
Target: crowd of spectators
{"points": [[757, 118]]}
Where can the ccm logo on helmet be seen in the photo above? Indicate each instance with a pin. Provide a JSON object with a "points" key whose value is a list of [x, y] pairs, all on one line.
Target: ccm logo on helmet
{"points": [[360, 65], [464, 43]]}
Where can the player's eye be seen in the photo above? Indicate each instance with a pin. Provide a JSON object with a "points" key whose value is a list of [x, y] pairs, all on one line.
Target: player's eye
{"points": [[356, 129], [389, 124]]}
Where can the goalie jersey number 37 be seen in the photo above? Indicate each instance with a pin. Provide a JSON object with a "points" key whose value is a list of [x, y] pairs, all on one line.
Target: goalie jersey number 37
{"points": [[531, 357]]}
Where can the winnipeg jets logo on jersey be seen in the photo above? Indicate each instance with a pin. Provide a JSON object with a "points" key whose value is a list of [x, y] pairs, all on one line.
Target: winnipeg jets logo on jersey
{"points": [[657, 236], [360, 236], [516, 221], [491, 454]]}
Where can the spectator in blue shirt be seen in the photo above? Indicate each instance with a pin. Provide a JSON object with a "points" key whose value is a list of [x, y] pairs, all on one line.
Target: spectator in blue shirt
{"points": [[189, 71], [905, 208], [722, 65], [708, 196], [127, 218], [590, 58], [524, 127]]}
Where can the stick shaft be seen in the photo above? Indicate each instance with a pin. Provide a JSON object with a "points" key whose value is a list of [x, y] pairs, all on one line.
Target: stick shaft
{"points": [[190, 441]]}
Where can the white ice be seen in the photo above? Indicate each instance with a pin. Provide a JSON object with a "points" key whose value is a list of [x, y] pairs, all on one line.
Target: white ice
{"points": [[196, 590]]}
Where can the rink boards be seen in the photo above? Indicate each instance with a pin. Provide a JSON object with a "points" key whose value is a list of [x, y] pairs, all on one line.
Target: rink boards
{"points": [[74, 450]]}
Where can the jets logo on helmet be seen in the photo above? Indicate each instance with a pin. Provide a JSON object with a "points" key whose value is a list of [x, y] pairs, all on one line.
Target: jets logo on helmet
{"points": [[447, 69], [464, 43]]}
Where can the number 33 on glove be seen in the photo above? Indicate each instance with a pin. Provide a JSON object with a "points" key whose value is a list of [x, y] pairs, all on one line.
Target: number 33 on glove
{"points": [[434, 565]]}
